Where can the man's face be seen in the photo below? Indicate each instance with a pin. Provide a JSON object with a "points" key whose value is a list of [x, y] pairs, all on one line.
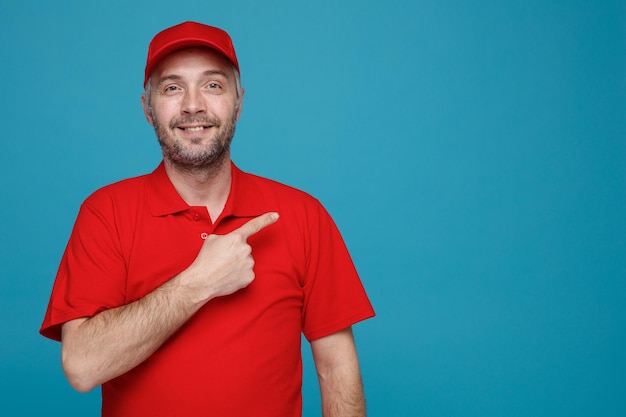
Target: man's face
{"points": [[193, 107]]}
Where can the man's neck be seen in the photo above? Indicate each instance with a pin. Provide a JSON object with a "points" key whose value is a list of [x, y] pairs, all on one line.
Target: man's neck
{"points": [[207, 187]]}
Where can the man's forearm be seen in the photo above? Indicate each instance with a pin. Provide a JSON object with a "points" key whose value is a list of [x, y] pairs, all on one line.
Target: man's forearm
{"points": [[102, 347], [342, 394], [339, 375]]}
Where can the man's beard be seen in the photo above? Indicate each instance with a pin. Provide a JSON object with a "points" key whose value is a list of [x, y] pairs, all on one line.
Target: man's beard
{"points": [[207, 158]]}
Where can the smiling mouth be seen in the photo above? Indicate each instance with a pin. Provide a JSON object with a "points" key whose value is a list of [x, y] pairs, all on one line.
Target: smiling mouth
{"points": [[194, 124], [194, 128]]}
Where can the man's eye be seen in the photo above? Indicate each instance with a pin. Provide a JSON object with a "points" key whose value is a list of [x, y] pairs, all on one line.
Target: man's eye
{"points": [[170, 88], [214, 86]]}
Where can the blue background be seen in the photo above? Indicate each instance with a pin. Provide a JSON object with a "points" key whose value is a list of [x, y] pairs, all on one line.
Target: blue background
{"points": [[472, 153]]}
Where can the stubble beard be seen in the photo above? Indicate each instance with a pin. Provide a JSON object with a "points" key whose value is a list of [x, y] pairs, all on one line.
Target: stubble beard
{"points": [[206, 160]]}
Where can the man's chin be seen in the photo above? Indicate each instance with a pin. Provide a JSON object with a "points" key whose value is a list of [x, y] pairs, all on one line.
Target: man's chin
{"points": [[198, 161]]}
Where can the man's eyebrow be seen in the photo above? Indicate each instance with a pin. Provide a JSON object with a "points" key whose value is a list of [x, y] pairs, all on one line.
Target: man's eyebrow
{"points": [[175, 77], [215, 72], [167, 78]]}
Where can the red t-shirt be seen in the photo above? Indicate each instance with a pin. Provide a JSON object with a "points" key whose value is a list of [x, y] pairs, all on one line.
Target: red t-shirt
{"points": [[239, 355]]}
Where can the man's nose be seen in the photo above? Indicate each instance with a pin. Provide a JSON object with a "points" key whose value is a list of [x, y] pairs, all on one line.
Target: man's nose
{"points": [[193, 102]]}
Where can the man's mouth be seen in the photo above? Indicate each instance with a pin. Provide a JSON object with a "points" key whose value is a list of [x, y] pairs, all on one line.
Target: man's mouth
{"points": [[194, 124], [193, 128]]}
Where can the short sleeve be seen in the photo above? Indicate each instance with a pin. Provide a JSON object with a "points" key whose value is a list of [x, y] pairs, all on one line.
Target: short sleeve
{"points": [[334, 297], [91, 276]]}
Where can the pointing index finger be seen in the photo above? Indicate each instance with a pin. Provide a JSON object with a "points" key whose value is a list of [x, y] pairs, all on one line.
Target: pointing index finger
{"points": [[255, 225]]}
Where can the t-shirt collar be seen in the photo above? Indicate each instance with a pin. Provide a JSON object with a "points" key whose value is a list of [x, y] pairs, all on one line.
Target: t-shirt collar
{"points": [[244, 199]]}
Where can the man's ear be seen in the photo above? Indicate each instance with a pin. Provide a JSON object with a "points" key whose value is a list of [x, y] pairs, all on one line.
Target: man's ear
{"points": [[146, 109], [240, 104]]}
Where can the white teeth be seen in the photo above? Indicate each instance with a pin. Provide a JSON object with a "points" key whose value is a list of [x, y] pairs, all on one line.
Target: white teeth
{"points": [[194, 129]]}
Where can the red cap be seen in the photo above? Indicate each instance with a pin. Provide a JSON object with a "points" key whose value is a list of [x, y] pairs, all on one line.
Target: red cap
{"points": [[185, 35]]}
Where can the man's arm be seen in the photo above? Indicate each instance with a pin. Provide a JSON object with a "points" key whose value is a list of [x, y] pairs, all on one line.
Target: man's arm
{"points": [[339, 376], [97, 349]]}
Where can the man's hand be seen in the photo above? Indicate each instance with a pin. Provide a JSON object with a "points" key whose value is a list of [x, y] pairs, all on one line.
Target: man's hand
{"points": [[224, 264]]}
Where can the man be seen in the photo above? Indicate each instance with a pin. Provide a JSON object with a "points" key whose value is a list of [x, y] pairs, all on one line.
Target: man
{"points": [[184, 292]]}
